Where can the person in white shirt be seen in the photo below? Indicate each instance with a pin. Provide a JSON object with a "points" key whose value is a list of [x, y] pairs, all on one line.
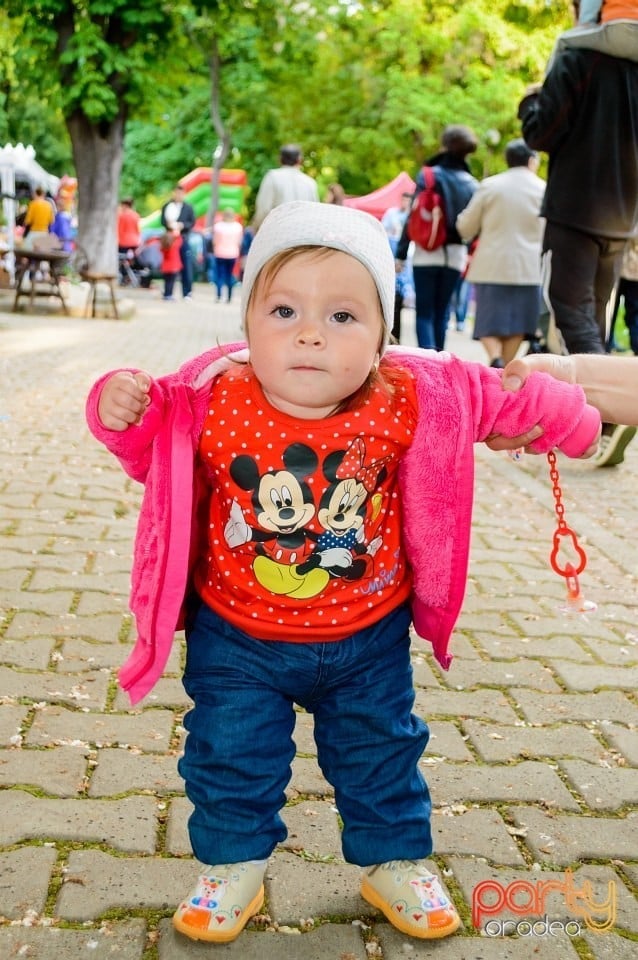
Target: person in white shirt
{"points": [[283, 184]]}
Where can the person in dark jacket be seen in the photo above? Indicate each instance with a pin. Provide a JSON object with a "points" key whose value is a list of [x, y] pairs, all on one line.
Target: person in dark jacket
{"points": [[178, 211], [585, 116], [436, 272]]}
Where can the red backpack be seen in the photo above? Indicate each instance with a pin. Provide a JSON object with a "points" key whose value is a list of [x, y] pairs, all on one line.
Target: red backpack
{"points": [[426, 220]]}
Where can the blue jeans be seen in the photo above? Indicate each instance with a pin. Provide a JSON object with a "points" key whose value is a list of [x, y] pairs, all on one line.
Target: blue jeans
{"points": [[433, 289], [239, 748]]}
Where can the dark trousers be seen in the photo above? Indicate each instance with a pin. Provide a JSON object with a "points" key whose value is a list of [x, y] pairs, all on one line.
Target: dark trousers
{"points": [[433, 289], [186, 256], [580, 274]]}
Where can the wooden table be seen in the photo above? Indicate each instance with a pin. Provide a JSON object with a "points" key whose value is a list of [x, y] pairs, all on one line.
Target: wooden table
{"points": [[31, 261]]}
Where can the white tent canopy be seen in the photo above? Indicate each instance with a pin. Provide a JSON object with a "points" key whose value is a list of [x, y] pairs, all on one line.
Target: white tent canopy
{"points": [[25, 167], [18, 165]]}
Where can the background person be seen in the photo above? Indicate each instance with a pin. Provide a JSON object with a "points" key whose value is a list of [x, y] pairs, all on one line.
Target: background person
{"points": [[227, 238], [285, 183], [504, 217], [436, 272], [177, 213], [129, 235], [38, 219]]}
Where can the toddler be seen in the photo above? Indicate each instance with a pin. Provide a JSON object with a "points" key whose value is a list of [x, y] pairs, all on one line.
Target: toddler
{"points": [[610, 26], [308, 497]]}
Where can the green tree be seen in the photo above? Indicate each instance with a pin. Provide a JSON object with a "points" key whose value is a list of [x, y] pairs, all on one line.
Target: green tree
{"points": [[98, 53]]}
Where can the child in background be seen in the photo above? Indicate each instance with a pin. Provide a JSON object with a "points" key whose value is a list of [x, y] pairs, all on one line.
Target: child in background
{"points": [[298, 554], [171, 260], [610, 26]]}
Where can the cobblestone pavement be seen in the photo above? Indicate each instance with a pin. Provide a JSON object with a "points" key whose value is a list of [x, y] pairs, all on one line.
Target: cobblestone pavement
{"points": [[533, 755]]}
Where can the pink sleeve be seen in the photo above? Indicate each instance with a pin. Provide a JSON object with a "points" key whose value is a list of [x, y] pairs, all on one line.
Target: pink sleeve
{"points": [[132, 447]]}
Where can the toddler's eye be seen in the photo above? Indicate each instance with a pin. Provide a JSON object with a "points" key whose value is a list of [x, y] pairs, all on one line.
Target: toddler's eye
{"points": [[284, 312], [342, 316]]}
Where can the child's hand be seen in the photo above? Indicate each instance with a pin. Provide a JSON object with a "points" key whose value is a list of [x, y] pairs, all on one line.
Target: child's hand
{"points": [[124, 399]]}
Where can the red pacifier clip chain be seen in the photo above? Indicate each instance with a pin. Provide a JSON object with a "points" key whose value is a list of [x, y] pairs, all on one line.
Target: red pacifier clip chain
{"points": [[575, 603]]}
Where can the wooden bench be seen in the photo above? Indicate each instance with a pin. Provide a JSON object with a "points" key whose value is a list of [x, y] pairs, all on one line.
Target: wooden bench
{"points": [[93, 279]]}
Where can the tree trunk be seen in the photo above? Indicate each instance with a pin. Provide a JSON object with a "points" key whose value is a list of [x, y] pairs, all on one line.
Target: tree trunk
{"points": [[223, 147], [97, 153]]}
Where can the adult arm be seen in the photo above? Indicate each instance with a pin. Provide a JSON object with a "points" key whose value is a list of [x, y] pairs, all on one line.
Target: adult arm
{"points": [[610, 383], [468, 222]]}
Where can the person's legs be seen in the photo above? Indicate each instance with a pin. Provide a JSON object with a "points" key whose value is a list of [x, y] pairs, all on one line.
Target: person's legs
{"points": [[186, 256], [445, 282], [581, 276], [169, 283], [396, 320], [510, 347], [236, 766], [424, 290], [494, 350], [369, 744]]}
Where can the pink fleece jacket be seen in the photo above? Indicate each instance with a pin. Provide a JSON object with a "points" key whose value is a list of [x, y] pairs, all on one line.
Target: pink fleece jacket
{"points": [[460, 404]]}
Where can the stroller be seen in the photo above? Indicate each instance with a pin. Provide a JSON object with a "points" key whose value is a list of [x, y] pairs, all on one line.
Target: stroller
{"points": [[138, 267]]}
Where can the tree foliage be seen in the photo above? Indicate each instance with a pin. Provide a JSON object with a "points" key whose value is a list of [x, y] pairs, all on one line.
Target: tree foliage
{"points": [[366, 88]]}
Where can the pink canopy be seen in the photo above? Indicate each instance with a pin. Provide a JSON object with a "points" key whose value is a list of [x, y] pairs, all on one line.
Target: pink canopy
{"points": [[380, 200]]}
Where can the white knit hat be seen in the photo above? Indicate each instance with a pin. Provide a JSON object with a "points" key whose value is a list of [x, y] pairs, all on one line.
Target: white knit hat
{"points": [[307, 223]]}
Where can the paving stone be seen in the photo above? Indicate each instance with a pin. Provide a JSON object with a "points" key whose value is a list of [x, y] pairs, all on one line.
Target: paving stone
{"points": [[303, 734], [298, 889], [581, 677], [603, 786], [446, 741], [88, 691], [595, 707], [126, 771], [28, 654], [524, 673], [307, 780], [313, 828], [622, 739], [11, 721], [177, 841], [75, 656], [611, 947], [24, 881], [168, 692], [477, 833], [521, 782], [94, 601], [329, 941], [489, 704], [128, 825], [150, 731], [52, 602], [564, 839], [60, 771], [511, 648], [96, 882], [396, 947], [124, 940], [497, 743]]}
